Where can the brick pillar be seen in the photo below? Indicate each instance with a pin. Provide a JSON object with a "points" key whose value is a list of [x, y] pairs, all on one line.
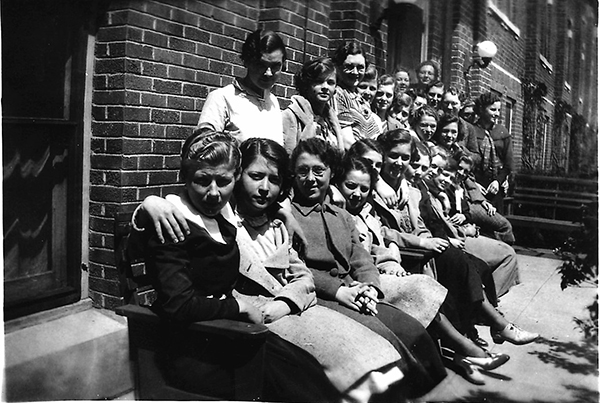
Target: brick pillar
{"points": [[155, 65]]}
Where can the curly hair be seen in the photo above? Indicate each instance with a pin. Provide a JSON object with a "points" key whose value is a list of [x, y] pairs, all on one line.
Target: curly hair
{"points": [[486, 99], [345, 49], [436, 71], [311, 72]]}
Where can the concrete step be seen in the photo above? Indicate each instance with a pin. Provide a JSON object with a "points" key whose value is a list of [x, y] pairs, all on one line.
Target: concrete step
{"points": [[79, 356]]}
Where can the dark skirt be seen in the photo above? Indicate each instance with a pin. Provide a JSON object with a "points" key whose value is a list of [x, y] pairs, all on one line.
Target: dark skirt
{"points": [[421, 361], [205, 367], [467, 278]]}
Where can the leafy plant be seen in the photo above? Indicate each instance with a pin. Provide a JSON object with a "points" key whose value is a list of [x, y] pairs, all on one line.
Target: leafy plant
{"points": [[579, 254]]}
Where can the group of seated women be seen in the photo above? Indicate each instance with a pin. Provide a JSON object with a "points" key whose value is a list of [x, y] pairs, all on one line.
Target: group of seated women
{"points": [[297, 219]]}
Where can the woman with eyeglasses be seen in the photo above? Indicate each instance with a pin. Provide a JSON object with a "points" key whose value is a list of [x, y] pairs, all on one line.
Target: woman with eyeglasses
{"points": [[345, 275], [246, 108], [354, 113]]}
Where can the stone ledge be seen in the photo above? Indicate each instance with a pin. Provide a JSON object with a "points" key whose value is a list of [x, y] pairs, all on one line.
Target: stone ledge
{"points": [[83, 355]]}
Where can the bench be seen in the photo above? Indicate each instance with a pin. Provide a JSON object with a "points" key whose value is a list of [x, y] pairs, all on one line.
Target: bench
{"points": [[551, 203]]}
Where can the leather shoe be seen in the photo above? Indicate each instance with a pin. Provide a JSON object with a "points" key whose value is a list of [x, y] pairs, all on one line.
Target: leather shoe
{"points": [[474, 336], [469, 371], [492, 361], [513, 334]]}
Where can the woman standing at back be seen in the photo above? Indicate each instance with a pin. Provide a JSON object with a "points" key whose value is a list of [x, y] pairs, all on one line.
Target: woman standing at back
{"points": [[310, 114], [354, 113], [246, 108], [496, 149]]}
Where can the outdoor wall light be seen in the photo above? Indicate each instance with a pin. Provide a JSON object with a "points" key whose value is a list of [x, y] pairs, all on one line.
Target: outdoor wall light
{"points": [[484, 52]]}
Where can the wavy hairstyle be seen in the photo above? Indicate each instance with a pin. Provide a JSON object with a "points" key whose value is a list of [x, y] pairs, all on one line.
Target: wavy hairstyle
{"points": [[209, 147], [392, 138], [313, 71]]}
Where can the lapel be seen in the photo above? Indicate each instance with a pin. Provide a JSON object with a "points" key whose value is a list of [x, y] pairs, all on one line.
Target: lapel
{"points": [[252, 267], [438, 208], [334, 226]]}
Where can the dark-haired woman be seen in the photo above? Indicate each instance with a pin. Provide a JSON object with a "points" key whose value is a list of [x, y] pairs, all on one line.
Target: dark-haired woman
{"points": [[310, 114], [496, 149], [247, 108]]}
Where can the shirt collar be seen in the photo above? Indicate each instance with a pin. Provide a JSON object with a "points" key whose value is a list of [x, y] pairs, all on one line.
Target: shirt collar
{"points": [[239, 85], [306, 210]]}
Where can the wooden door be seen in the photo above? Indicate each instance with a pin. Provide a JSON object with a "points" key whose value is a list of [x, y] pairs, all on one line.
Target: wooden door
{"points": [[43, 59]]}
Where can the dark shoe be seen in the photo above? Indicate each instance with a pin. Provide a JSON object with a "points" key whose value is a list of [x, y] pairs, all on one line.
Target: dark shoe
{"points": [[480, 342], [474, 336], [513, 334], [469, 371]]}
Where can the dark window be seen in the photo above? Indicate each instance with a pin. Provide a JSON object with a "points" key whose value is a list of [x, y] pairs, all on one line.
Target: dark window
{"points": [[405, 36]]}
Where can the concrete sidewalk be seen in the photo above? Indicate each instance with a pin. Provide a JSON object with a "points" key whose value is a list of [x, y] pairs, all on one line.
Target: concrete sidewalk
{"points": [[558, 367]]}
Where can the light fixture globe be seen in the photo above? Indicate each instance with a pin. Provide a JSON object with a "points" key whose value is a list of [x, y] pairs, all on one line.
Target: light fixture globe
{"points": [[487, 49]]}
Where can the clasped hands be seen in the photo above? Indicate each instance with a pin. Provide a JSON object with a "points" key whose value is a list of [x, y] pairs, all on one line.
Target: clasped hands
{"points": [[359, 297]]}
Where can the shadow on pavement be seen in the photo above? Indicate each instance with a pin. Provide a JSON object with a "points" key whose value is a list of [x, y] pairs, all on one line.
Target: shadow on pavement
{"points": [[575, 357]]}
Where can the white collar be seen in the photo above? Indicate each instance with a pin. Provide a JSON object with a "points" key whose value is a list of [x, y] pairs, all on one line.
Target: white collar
{"points": [[182, 203]]}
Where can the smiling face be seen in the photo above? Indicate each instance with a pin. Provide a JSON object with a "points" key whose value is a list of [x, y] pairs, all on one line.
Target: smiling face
{"points": [[443, 180], [426, 127], [434, 96], [491, 113], [352, 71], [210, 187], [436, 165], [263, 73], [312, 178], [384, 96], [426, 74], [356, 188], [395, 161], [449, 134], [321, 91], [402, 81], [260, 185], [367, 90]]}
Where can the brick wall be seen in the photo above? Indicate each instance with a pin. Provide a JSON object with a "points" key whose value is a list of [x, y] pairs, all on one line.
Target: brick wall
{"points": [[507, 68], [155, 64], [357, 20], [156, 61]]}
